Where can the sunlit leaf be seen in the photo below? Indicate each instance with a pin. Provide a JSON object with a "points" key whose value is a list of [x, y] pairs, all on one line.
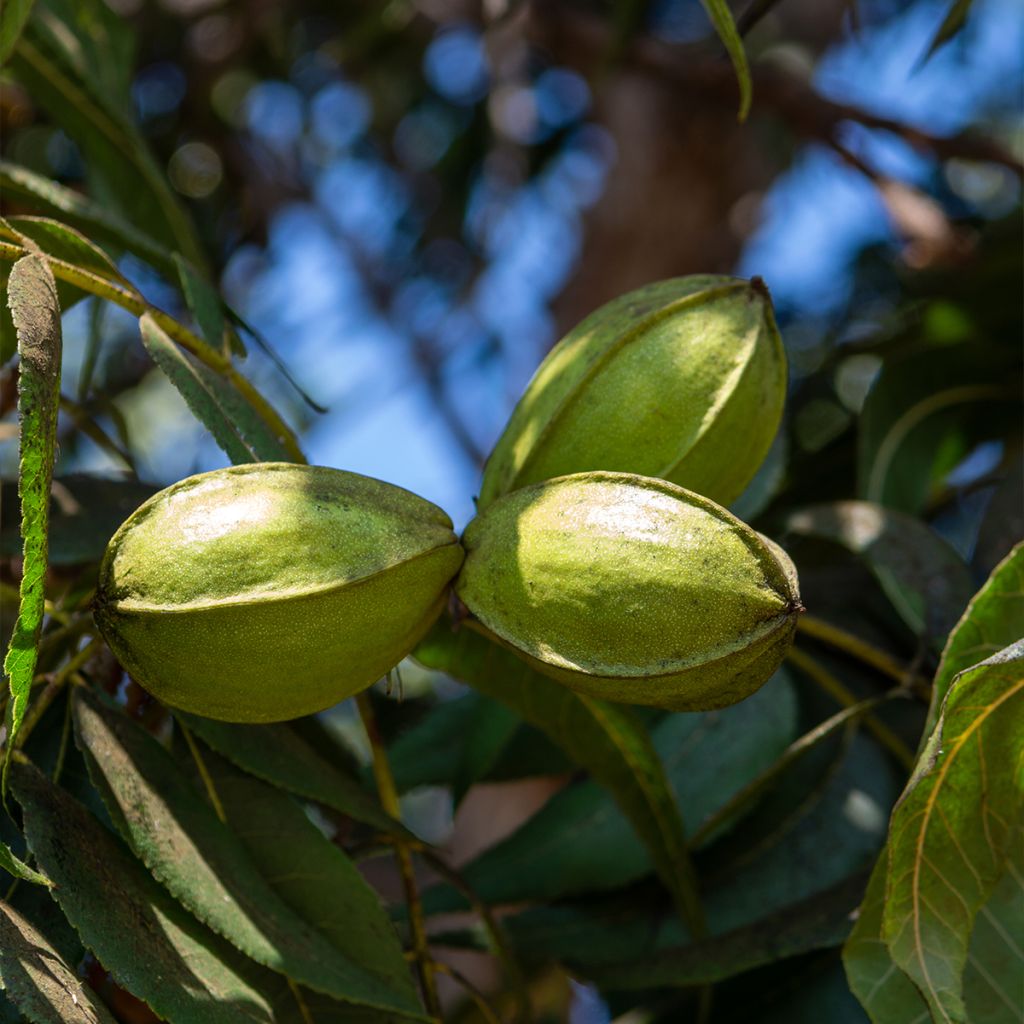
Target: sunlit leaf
{"points": [[992, 621], [951, 831], [35, 977], [13, 16], [603, 738], [952, 23], [204, 404], [203, 864], [32, 298]]}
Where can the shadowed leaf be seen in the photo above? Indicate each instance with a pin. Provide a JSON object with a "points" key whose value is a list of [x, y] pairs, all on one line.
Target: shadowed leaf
{"points": [[204, 866]]}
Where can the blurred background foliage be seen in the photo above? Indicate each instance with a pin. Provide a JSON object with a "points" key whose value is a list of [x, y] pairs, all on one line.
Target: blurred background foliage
{"points": [[406, 203]]}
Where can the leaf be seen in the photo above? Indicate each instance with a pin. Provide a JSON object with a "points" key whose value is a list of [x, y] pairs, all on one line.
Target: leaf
{"points": [[276, 754], [204, 866], [884, 991], [821, 922], [200, 399], [13, 16], [606, 740], [580, 841], [13, 866], [992, 621], [766, 483], [311, 874], [65, 243], [254, 431], [995, 959], [84, 88], [84, 513], [924, 413], [955, 19], [489, 733], [721, 18], [203, 302], [81, 212], [927, 582], [32, 297], [150, 944], [37, 979], [950, 833]]}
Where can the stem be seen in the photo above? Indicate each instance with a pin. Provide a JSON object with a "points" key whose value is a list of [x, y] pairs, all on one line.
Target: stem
{"points": [[854, 646], [403, 854], [818, 674], [204, 774]]}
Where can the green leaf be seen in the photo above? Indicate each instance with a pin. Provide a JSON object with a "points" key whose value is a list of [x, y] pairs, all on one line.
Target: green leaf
{"points": [[950, 833], [311, 874], [150, 944], [254, 431], [766, 483], [32, 297], [67, 244], [995, 959], [605, 739], [923, 415], [276, 754], [580, 841], [13, 16], [725, 26], [79, 211], [203, 302], [17, 868], [927, 582], [956, 17], [75, 61], [489, 732], [204, 866], [821, 922], [204, 404], [993, 620], [884, 991], [36, 978]]}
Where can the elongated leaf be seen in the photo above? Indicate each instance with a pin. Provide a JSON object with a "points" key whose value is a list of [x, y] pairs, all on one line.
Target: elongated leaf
{"points": [[198, 396], [150, 944], [821, 922], [312, 875], [884, 991], [721, 18], [13, 16], [580, 841], [994, 973], [66, 243], [257, 435], [203, 302], [956, 17], [81, 212], [32, 297], [951, 831], [928, 583], [993, 620], [490, 731], [276, 754], [13, 866], [605, 739], [36, 978], [85, 92], [204, 866]]}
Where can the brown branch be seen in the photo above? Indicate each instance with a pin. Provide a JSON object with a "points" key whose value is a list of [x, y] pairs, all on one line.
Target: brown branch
{"points": [[582, 39]]}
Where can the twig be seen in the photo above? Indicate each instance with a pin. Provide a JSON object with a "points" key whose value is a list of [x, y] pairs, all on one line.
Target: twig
{"points": [[389, 801], [824, 679], [204, 774], [474, 993]]}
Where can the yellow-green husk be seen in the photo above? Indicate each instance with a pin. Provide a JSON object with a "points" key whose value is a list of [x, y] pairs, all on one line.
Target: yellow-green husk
{"points": [[684, 380], [631, 589], [264, 592]]}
